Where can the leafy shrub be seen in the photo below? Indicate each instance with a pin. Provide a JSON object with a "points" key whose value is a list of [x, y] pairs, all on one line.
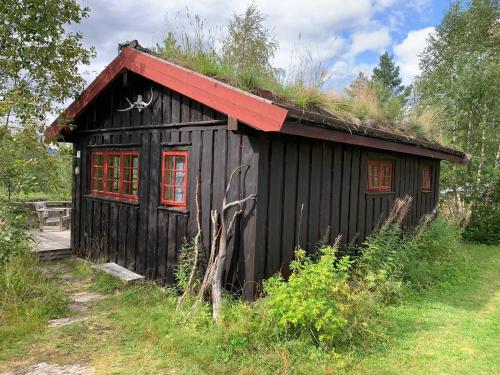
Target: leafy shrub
{"points": [[314, 300], [484, 226], [13, 239], [185, 266]]}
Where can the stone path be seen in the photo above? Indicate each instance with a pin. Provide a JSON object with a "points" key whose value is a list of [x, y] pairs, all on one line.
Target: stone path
{"points": [[43, 368], [61, 322], [79, 309]]}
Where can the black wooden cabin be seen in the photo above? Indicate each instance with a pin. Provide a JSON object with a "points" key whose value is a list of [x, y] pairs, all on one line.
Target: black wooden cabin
{"points": [[315, 176]]}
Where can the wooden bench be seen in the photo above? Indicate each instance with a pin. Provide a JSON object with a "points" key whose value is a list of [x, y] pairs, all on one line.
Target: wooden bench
{"points": [[54, 215]]}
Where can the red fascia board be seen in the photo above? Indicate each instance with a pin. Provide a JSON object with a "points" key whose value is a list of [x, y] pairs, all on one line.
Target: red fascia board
{"points": [[247, 108], [360, 140]]}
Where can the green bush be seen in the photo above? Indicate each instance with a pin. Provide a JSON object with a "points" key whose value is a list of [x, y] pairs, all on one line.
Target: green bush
{"points": [[314, 300], [13, 239], [484, 226]]}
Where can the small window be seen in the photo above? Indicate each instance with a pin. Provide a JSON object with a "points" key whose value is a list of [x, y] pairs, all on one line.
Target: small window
{"points": [[115, 174], [174, 178], [426, 177], [379, 176]]}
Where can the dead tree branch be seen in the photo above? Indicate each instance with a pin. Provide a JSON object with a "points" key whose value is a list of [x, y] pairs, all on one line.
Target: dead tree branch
{"points": [[220, 260]]}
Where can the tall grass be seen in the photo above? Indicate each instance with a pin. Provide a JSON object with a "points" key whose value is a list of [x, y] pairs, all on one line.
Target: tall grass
{"points": [[28, 296]]}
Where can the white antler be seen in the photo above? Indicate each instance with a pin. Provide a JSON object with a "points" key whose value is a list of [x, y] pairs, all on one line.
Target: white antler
{"points": [[139, 103]]}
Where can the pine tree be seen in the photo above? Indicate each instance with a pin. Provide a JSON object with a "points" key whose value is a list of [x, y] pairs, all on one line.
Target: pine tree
{"points": [[387, 74]]}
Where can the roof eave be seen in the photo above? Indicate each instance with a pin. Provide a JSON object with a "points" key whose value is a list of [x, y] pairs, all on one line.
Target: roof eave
{"points": [[250, 109]]}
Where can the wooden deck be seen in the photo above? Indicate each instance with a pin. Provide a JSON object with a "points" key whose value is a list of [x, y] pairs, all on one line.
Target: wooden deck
{"points": [[51, 244]]}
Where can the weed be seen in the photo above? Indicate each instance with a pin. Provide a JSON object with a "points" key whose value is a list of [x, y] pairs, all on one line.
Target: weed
{"points": [[105, 283]]}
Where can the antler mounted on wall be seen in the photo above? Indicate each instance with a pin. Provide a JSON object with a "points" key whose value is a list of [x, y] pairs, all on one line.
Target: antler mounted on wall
{"points": [[139, 103]]}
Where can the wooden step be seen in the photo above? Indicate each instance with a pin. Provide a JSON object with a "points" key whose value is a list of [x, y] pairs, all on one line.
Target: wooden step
{"points": [[54, 254], [119, 272]]}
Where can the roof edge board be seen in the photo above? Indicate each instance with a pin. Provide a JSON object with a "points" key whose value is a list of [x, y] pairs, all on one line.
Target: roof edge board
{"points": [[366, 141]]}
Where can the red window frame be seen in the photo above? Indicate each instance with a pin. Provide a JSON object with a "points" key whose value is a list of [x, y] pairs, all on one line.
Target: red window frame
{"points": [[114, 185], [426, 178], [378, 181], [171, 201]]}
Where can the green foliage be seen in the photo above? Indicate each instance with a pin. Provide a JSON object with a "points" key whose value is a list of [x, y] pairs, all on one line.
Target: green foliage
{"points": [[26, 167], [484, 226], [387, 74], [249, 47], [460, 74], [13, 239], [28, 298], [105, 283], [372, 100], [184, 267], [39, 57], [315, 298], [417, 259]]}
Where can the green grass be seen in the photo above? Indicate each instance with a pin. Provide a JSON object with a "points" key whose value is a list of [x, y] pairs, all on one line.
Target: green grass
{"points": [[453, 328], [450, 328]]}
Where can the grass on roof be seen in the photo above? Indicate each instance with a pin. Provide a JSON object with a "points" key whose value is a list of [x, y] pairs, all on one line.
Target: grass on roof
{"points": [[302, 85]]}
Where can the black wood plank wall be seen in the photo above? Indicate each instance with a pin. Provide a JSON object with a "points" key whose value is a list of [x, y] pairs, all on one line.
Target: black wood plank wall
{"points": [[312, 191], [146, 236]]}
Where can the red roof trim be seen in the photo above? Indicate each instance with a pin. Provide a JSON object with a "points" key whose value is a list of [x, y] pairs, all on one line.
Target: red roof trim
{"points": [[247, 108], [304, 130]]}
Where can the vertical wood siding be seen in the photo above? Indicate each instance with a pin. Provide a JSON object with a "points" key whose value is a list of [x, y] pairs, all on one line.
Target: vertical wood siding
{"points": [[312, 191], [145, 236]]}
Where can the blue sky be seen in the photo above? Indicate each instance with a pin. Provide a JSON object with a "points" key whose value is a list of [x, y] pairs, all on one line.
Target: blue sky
{"points": [[346, 35]]}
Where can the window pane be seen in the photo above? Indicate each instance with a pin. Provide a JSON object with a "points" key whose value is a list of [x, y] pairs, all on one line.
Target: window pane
{"points": [[169, 162], [179, 194], [373, 170], [373, 181], [169, 177], [386, 171], [168, 193], [179, 162], [179, 178]]}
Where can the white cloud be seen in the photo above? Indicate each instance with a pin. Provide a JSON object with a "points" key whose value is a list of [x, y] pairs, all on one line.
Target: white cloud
{"points": [[382, 4], [408, 51], [336, 31], [376, 40]]}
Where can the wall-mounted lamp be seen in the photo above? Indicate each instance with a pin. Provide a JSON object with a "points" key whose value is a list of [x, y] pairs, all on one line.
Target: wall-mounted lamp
{"points": [[77, 167]]}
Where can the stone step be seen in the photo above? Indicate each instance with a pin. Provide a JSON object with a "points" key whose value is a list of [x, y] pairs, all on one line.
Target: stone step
{"points": [[61, 322], [119, 272]]}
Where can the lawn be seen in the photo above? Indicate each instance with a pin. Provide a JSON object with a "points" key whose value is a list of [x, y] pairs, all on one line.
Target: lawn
{"points": [[453, 328]]}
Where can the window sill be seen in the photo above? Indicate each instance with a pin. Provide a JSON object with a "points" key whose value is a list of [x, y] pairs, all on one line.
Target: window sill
{"points": [[112, 200], [426, 191], [374, 194], [179, 210]]}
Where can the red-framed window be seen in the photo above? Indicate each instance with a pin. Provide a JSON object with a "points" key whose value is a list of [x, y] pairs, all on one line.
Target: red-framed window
{"points": [[174, 167], [426, 177], [379, 177], [115, 174]]}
